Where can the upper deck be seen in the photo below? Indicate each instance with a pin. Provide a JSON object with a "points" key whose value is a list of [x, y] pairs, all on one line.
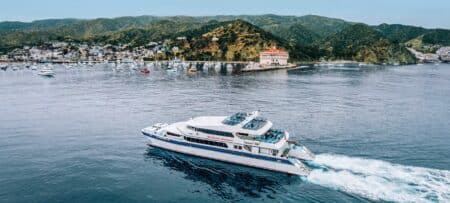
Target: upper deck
{"points": [[245, 123], [246, 126]]}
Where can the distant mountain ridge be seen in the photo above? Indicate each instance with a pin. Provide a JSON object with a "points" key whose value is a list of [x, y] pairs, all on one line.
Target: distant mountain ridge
{"points": [[307, 37]]}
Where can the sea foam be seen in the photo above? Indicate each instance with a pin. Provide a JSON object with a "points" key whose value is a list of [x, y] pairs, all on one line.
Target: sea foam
{"points": [[381, 180]]}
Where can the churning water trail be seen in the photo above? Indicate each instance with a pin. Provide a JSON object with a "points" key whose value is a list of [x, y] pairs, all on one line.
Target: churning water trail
{"points": [[381, 180]]}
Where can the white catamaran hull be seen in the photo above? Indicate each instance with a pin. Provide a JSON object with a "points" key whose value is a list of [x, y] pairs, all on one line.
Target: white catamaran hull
{"points": [[293, 167]]}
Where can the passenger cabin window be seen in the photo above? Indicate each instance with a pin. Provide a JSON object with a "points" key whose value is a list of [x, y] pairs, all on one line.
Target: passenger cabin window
{"points": [[207, 142], [248, 148], [267, 151], [172, 134], [264, 151], [245, 136], [274, 152], [212, 132], [285, 152], [238, 147]]}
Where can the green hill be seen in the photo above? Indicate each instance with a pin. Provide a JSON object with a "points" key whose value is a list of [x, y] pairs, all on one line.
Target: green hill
{"points": [[360, 42], [323, 26], [400, 33], [235, 40], [155, 31], [296, 34], [437, 36], [36, 25]]}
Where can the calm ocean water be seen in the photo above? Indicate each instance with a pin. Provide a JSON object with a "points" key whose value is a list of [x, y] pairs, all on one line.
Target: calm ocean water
{"points": [[382, 133]]}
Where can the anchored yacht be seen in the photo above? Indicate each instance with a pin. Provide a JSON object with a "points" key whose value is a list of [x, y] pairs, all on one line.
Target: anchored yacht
{"points": [[242, 138], [47, 71]]}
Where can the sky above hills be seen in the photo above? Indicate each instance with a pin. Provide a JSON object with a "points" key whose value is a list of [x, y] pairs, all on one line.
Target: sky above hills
{"points": [[430, 13]]}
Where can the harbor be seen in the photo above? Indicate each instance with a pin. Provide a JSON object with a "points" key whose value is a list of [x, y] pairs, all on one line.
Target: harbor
{"points": [[271, 59], [174, 67]]}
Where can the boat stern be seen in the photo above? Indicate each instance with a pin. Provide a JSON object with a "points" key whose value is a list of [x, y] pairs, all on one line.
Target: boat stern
{"points": [[301, 152], [301, 168]]}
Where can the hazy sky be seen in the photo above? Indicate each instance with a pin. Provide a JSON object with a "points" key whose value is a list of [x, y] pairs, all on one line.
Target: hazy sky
{"points": [[427, 13]]}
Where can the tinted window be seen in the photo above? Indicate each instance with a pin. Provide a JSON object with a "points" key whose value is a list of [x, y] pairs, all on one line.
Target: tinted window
{"points": [[173, 134], [213, 132], [207, 142]]}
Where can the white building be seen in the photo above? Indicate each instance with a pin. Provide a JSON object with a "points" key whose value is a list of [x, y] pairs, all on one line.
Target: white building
{"points": [[444, 54], [3, 57], [274, 56], [60, 44], [430, 58], [175, 49]]}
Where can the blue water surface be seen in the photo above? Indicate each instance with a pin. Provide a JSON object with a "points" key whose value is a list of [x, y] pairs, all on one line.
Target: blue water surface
{"points": [[384, 132]]}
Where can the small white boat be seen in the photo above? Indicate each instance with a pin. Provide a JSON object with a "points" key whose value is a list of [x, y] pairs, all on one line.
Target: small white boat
{"points": [[218, 67], [229, 68], [172, 70], [242, 138], [47, 71]]}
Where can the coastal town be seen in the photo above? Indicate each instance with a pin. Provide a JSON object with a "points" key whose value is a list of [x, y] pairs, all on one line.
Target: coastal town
{"points": [[64, 52], [70, 52], [140, 59]]}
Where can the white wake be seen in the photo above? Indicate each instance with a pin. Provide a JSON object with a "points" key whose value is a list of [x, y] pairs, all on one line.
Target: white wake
{"points": [[380, 180]]}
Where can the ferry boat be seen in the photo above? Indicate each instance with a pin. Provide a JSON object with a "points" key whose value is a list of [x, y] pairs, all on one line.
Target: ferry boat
{"points": [[242, 138]]}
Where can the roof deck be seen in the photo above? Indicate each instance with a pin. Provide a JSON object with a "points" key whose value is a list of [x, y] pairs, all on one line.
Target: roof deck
{"points": [[255, 124], [235, 119], [245, 123], [272, 136]]}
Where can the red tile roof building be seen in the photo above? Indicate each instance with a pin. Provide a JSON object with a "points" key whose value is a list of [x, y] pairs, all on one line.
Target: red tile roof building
{"points": [[274, 56]]}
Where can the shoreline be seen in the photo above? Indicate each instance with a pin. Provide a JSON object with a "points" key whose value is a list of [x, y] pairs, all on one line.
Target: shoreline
{"points": [[300, 63]]}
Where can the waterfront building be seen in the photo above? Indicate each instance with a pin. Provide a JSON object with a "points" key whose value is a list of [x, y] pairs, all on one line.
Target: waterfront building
{"points": [[59, 44], [3, 57], [424, 57], [444, 54], [274, 56], [430, 58]]}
